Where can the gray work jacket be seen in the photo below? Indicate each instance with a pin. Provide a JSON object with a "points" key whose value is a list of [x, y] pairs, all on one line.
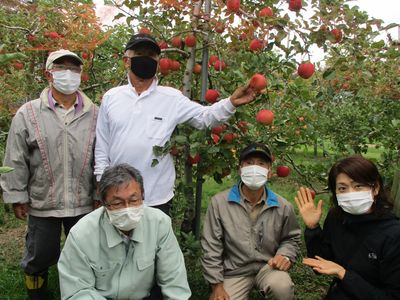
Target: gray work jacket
{"points": [[234, 247], [52, 160]]}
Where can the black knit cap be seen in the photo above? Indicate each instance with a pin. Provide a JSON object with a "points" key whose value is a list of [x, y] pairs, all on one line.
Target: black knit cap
{"points": [[256, 148], [142, 39]]}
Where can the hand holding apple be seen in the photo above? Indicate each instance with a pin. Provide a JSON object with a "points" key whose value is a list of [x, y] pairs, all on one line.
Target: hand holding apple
{"points": [[243, 95]]}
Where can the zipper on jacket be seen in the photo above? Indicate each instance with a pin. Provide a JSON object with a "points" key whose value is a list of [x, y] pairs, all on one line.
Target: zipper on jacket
{"points": [[66, 176]]}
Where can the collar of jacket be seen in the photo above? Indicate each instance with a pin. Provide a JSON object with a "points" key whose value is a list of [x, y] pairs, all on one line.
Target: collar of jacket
{"points": [[234, 196], [114, 237], [87, 103]]}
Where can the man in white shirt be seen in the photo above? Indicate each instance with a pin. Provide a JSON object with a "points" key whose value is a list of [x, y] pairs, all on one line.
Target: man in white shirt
{"points": [[140, 115]]}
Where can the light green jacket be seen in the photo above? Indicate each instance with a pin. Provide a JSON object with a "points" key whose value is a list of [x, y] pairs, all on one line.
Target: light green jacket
{"points": [[96, 264]]}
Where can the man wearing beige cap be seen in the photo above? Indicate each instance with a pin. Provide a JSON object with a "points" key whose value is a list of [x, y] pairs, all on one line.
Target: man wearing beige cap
{"points": [[50, 146]]}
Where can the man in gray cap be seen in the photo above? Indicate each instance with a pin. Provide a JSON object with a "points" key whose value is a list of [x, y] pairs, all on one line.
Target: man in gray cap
{"points": [[142, 114], [50, 145], [250, 236]]}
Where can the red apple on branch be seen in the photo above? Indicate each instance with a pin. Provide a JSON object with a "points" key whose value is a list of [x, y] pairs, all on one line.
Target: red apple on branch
{"points": [[211, 96], [265, 116], [283, 171], [219, 65], [256, 45], [265, 12], [233, 5], [337, 34], [258, 82], [176, 41], [295, 5], [305, 70], [190, 40]]}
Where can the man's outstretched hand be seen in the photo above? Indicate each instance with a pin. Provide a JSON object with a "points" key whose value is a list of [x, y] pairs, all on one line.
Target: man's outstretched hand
{"points": [[243, 95]]}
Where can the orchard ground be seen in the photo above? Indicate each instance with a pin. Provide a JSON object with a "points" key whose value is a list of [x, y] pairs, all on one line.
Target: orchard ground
{"points": [[307, 285]]}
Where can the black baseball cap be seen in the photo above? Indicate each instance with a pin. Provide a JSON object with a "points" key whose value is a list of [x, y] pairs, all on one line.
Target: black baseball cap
{"points": [[256, 148], [143, 39]]}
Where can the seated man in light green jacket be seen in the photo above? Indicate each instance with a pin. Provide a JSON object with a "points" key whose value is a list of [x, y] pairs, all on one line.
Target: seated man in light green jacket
{"points": [[251, 236], [120, 249]]}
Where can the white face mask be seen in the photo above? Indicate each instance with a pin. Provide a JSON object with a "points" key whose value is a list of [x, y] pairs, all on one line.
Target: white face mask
{"points": [[66, 82], [254, 176], [126, 219], [355, 203]]}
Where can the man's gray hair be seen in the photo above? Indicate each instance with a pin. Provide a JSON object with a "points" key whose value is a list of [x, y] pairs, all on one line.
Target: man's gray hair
{"points": [[116, 176]]}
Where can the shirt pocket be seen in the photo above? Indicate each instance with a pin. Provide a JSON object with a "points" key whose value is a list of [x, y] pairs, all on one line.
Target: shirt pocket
{"points": [[104, 276], [146, 262], [156, 127]]}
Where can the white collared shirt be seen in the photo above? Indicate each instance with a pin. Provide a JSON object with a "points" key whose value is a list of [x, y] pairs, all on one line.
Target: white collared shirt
{"points": [[129, 125]]}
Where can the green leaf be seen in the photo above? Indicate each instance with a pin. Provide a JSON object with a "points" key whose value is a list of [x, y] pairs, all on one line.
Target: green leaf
{"points": [[329, 74], [5, 169], [154, 162], [378, 45]]}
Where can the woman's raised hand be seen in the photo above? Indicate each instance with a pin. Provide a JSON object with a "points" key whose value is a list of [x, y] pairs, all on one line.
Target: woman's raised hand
{"points": [[310, 213]]}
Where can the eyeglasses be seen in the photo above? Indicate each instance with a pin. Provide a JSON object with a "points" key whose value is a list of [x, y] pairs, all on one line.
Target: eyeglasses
{"points": [[74, 69], [118, 204]]}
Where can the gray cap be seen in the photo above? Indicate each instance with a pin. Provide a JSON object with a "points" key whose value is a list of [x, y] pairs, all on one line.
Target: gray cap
{"points": [[61, 53]]}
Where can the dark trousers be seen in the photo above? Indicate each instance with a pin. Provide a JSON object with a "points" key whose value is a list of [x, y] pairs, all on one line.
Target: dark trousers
{"points": [[155, 293], [165, 208], [42, 242]]}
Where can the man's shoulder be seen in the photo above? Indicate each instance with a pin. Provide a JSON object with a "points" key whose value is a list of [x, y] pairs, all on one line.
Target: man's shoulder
{"points": [[116, 90], [155, 215], [169, 91], [88, 224], [221, 198]]}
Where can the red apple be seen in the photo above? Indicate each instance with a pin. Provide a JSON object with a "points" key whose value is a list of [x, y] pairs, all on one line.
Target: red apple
{"points": [[243, 36], [229, 137], [219, 65], [194, 160], [176, 42], [212, 60], [243, 126], [174, 151], [215, 138], [295, 5], [85, 55], [305, 70], [211, 96], [190, 40], [256, 45], [219, 27], [31, 38], [175, 65], [266, 12], [85, 77], [337, 34], [54, 35], [164, 64], [258, 82], [312, 192], [282, 171], [17, 65], [144, 30], [218, 130], [233, 5], [163, 45], [265, 116], [197, 69]]}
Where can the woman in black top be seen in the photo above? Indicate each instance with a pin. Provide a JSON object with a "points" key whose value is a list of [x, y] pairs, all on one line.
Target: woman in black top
{"points": [[359, 245]]}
